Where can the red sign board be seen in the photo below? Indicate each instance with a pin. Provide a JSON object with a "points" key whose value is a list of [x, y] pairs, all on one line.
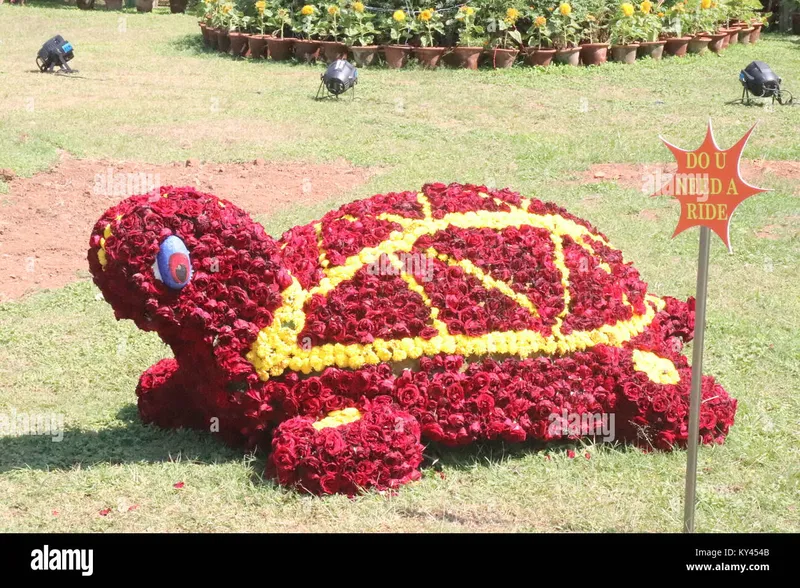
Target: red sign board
{"points": [[708, 185]]}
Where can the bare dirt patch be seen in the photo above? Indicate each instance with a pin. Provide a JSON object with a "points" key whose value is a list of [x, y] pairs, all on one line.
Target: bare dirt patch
{"points": [[45, 220], [635, 175]]}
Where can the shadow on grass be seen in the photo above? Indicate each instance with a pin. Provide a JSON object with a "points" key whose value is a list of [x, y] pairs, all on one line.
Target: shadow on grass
{"points": [[48, 4], [132, 442], [192, 43]]}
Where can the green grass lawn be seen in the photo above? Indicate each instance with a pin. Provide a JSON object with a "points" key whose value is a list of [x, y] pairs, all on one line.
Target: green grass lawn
{"points": [[148, 91]]}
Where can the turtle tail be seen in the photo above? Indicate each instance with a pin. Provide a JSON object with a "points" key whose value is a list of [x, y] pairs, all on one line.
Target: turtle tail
{"points": [[677, 319], [670, 330]]}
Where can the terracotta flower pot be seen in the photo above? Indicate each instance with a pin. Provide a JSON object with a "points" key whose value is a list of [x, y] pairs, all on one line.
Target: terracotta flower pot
{"points": [[258, 46], [177, 6], [796, 23], [536, 56], [280, 49], [212, 37], [756, 34], [624, 53], [652, 49], [146, 5], [365, 56], [717, 42], [744, 35], [594, 53], [502, 58], [429, 56], [396, 55], [699, 44], [568, 56], [725, 39], [85, 4], [306, 50], [238, 43], [677, 46], [467, 57], [333, 50], [733, 36], [204, 32], [223, 40], [114, 4]]}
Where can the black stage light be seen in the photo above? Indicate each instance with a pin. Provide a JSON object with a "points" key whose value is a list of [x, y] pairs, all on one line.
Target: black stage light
{"points": [[56, 51], [759, 80], [340, 77]]}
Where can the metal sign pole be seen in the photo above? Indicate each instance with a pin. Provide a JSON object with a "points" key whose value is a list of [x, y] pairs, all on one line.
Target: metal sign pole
{"points": [[697, 379]]}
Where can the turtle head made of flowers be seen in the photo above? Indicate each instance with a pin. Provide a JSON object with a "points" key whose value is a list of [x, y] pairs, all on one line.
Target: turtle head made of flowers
{"points": [[188, 265]]}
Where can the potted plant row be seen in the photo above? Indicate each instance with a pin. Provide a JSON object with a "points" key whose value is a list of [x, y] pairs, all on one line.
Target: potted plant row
{"points": [[591, 32]]}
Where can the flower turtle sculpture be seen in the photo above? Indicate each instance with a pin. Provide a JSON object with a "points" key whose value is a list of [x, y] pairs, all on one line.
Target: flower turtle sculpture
{"points": [[457, 314]]}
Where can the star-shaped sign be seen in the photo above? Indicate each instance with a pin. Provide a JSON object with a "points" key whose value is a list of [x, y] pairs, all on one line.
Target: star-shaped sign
{"points": [[708, 185]]}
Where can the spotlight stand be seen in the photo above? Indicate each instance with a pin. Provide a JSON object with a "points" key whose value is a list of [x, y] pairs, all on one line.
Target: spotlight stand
{"points": [[760, 81], [54, 52], [339, 77]]}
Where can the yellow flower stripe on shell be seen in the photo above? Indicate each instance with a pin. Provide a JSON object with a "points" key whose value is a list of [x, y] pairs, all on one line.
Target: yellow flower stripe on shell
{"points": [[426, 205], [561, 265], [337, 418], [415, 286], [523, 343], [277, 349], [659, 369], [276, 346], [488, 281]]}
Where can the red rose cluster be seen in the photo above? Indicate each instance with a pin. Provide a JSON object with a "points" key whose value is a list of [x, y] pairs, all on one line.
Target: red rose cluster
{"points": [[371, 305], [381, 450], [521, 257]]}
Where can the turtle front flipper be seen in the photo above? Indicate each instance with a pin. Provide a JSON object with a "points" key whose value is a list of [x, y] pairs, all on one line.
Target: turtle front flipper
{"points": [[348, 451], [164, 399]]}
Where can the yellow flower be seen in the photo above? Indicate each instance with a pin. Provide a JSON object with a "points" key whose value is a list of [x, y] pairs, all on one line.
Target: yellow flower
{"points": [[426, 15], [399, 16], [468, 10], [565, 9], [358, 7], [660, 15], [627, 9], [333, 10], [226, 8], [540, 21], [260, 6], [646, 6], [307, 10], [512, 14], [705, 4]]}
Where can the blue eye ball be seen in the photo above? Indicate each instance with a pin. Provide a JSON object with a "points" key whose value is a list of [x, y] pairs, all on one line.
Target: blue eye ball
{"points": [[173, 263]]}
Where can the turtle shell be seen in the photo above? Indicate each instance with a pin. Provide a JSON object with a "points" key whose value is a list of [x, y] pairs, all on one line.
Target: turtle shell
{"points": [[458, 269]]}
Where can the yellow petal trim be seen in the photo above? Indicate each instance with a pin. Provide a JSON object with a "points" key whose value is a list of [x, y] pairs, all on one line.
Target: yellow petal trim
{"points": [[658, 369], [101, 253], [337, 418]]}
